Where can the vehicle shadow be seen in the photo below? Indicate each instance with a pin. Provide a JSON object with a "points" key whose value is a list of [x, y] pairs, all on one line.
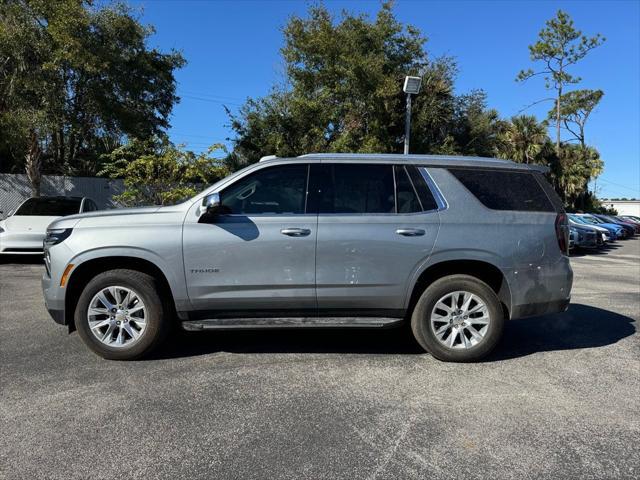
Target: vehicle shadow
{"points": [[582, 252], [582, 326]]}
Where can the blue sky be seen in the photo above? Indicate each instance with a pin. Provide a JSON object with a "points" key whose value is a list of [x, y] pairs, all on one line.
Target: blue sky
{"points": [[232, 49]]}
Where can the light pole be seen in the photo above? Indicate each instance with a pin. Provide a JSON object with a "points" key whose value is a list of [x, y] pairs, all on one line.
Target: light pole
{"points": [[411, 87]]}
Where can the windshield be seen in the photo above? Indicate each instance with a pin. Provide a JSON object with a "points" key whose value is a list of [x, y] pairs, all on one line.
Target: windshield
{"points": [[576, 218], [591, 220], [50, 207]]}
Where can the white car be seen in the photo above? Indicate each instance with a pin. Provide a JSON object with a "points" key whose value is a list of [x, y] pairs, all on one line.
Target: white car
{"points": [[22, 232]]}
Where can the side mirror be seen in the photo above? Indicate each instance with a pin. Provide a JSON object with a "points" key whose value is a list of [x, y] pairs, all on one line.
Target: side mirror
{"points": [[211, 204]]}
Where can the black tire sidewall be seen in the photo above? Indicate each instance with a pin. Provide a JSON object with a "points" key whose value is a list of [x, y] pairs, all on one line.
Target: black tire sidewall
{"points": [[145, 287], [420, 319]]}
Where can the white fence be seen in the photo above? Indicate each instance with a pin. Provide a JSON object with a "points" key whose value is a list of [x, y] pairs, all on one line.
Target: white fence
{"points": [[15, 188]]}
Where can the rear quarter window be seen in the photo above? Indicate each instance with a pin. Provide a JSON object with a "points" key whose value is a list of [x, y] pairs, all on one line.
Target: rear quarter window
{"points": [[503, 190]]}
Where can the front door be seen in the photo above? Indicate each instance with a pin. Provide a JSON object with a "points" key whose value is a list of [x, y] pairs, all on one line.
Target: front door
{"points": [[257, 259], [376, 225]]}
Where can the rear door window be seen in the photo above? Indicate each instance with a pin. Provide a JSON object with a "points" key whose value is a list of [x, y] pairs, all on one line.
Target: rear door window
{"points": [[406, 195], [505, 190], [351, 188]]}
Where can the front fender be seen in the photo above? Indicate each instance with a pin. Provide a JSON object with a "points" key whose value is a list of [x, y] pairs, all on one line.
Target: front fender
{"points": [[173, 273]]}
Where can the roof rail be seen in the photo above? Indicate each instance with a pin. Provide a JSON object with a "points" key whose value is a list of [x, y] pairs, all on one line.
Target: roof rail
{"points": [[539, 168], [268, 157]]}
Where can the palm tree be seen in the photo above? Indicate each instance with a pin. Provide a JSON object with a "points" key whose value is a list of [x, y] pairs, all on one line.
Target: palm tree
{"points": [[523, 139]]}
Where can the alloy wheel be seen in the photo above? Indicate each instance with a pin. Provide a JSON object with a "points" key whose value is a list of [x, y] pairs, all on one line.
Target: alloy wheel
{"points": [[117, 316], [460, 320]]}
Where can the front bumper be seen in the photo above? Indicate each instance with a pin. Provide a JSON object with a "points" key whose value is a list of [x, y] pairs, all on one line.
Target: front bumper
{"points": [[21, 243], [53, 299], [54, 294], [58, 316]]}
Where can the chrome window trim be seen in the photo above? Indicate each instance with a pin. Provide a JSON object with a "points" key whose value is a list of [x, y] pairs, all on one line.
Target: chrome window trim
{"points": [[435, 191]]}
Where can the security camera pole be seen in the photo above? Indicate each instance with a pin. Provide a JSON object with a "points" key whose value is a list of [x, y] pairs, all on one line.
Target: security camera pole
{"points": [[411, 87]]}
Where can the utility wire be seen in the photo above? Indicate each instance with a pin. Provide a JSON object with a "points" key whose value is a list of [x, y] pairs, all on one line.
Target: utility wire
{"points": [[618, 185]]}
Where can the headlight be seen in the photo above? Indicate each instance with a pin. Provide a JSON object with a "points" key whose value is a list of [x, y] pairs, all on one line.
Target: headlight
{"points": [[56, 235]]}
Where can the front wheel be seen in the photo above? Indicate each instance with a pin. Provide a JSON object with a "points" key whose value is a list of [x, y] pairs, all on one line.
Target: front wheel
{"points": [[458, 318], [120, 315]]}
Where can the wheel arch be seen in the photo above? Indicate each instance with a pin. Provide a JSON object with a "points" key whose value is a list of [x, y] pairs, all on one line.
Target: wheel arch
{"points": [[88, 269], [480, 269]]}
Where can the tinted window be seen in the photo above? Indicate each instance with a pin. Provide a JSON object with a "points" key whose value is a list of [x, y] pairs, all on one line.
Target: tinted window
{"points": [[425, 195], [500, 190], [50, 207], [89, 206], [406, 196], [350, 188], [272, 190]]}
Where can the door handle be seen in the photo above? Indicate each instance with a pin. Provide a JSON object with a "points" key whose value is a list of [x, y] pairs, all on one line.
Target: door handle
{"points": [[295, 232], [410, 232]]}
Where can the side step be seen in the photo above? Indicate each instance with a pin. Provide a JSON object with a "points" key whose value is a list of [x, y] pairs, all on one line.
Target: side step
{"points": [[286, 322]]}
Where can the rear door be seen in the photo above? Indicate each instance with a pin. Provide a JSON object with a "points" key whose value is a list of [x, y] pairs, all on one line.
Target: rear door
{"points": [[375, 226]]}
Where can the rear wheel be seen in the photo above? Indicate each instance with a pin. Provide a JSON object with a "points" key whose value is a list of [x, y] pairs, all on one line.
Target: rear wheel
{"points": [[458, 318], [120, 315]]}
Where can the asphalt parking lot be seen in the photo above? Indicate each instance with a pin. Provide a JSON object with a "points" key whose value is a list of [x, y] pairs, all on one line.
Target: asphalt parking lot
{"points": [[560, 397]]}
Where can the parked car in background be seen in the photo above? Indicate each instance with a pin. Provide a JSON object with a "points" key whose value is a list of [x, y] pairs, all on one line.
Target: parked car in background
{"points": [[631, 221], [23, 231], [630, 217], [603, 234], [587, 237], [453, 245], [616, 227], [607, 234], [629, 227], [573, 237]]}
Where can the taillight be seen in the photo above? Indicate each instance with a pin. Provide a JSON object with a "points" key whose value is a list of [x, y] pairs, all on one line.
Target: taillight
{"points": [[562, 233]]}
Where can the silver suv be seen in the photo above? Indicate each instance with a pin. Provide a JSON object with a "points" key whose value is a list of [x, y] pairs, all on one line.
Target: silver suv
{"points": [[452, 245]]}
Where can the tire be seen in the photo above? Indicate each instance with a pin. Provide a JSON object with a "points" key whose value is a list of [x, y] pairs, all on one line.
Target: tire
{"points": [[473, 348], [149, 323]]}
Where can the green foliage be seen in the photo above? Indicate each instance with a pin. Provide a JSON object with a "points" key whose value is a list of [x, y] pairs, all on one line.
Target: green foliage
{"points": [[343, 93], [79, 77], [571, 172], [523, 140], [156, 172], [591, 203], [560, 45], [575, 108]]}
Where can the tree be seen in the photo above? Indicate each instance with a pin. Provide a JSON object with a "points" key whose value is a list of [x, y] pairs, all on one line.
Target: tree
{"points": [[474, 128], [72, 74], [343, 93], [523, 139], [156, 172], [560, 45], [572, 170], [575, 108]]}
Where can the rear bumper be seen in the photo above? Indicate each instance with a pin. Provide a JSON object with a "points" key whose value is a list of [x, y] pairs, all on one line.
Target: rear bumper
{"points": [[540, 289], [534, 309]]}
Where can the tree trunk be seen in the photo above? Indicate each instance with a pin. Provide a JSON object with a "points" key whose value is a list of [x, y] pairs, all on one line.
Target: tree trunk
{"points": [[558, 120], [33, 164]]}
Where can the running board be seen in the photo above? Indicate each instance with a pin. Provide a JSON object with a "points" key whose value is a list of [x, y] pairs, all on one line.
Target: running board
{"points": [[293, 322]]}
